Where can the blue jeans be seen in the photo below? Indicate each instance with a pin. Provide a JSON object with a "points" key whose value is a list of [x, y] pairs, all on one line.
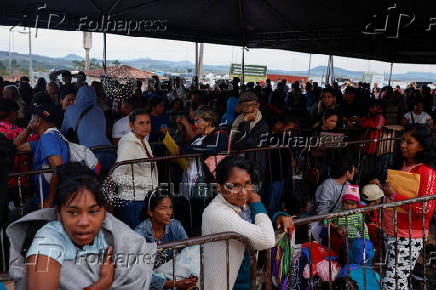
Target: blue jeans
{"points": [[130, 212], [106, 158]]}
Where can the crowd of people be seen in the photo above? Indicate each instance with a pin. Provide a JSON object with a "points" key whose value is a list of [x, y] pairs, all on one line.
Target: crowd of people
{"points": [[252, 192]]}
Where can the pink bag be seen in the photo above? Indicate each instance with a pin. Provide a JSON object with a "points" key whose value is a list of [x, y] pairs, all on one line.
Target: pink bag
{"points": [[213, 160]]}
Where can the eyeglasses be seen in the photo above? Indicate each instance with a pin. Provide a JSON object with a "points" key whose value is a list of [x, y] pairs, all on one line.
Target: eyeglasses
{"points": [[248, 105], [235, 188], [198, 120]]}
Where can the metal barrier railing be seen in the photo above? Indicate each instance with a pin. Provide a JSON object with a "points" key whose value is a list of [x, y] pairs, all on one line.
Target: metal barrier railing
{"points": [[380, 207], [201, 240], [383, 146]]}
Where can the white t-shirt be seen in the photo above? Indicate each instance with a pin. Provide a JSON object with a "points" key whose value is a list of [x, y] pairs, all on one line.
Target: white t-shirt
{"points": [[121, 127], [419, 119]]}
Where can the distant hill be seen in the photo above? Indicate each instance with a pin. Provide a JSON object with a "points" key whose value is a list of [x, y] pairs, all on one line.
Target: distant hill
{"points": [[46, 63], [73, 56]]}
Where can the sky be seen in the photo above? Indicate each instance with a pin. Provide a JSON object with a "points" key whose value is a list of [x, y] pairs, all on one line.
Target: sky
{"points": [[56, 43]]}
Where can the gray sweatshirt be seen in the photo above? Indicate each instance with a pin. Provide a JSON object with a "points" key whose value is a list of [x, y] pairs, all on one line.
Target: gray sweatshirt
{"points": [[131, 254], [328, 196]]}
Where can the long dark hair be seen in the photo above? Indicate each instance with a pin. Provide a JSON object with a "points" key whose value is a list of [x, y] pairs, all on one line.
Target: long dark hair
{"points": [[224, 168], [72, 177], [423, 134]]}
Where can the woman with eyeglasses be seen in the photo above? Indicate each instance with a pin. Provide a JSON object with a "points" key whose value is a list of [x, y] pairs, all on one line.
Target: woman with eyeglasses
{"points": [[236, 208]]}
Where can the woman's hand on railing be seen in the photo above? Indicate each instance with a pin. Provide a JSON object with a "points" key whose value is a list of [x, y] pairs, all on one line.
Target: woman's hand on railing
{"points": [[188, 283], [284, 223]]}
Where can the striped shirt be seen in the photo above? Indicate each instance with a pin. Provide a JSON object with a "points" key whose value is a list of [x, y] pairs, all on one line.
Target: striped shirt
{"points": [[353, 224]]}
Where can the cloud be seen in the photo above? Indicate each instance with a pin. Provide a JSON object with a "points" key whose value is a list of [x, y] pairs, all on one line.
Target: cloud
{"points": [[60, 43]]}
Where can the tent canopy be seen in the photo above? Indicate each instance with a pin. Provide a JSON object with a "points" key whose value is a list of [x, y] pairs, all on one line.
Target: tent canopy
{"points": [[400, 32]]}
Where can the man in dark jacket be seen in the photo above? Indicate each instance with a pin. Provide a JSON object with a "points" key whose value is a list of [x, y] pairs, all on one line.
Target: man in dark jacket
{"points": [[248, 131]]}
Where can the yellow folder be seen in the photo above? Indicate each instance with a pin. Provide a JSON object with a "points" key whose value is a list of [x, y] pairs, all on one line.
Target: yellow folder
{"points": [[171, 145], [404, 183]]}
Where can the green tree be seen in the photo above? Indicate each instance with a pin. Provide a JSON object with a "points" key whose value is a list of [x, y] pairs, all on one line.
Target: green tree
{"points": [[14, 66], [116, 62], [78, 64], [94, 64], [3, 69]]}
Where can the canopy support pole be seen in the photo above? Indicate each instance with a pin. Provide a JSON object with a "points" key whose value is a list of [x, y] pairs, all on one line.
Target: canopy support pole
{"points": [[104, 52], [243, 65], [390, 74], [30, 59], [200, 61], [196, 64], [308, 71], [330, 75], [10, 53]]}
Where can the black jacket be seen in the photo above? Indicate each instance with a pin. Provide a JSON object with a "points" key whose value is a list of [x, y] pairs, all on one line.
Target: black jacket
{"points": [[244, 138]]}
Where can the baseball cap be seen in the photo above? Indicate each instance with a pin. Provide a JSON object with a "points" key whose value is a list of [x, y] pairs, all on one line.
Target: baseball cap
{"points": [[24, 79], [349, 90], [41, 98], [247, 97], [66, 73], [47, 112], [66, 90], [372, 192]]}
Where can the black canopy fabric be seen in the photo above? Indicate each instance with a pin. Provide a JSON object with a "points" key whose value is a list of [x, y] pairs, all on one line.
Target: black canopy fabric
{"points": [[400, 32]]}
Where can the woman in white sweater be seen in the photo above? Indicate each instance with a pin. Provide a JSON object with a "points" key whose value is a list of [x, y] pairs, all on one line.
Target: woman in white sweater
{"points": [[237, 208], [132, 191]]}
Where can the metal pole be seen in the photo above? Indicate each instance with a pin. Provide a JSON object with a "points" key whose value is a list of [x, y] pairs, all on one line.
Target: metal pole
{"points": [[9, 53], [327, 74], [200, 61], [86, 59], [242, 65], [310, 63], [30, 59], [332, 70], [196, 60], [104, 52], [390, 74]]}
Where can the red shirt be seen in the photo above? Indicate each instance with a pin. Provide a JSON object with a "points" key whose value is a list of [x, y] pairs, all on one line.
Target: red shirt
{"points": [[427, 187], [375, 125]]}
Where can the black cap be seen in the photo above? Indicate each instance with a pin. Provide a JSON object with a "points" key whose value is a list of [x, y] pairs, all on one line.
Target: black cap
{"points": [[248, 97], [41, 98], [47, 112], [349, 90], [66, 73], [8, 105], [66, 90], [24, 79]]}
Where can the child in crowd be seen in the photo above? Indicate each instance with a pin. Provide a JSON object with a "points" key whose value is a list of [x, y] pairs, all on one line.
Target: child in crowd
{"points": [[372, 194], [353, 225], [375, 181]]}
